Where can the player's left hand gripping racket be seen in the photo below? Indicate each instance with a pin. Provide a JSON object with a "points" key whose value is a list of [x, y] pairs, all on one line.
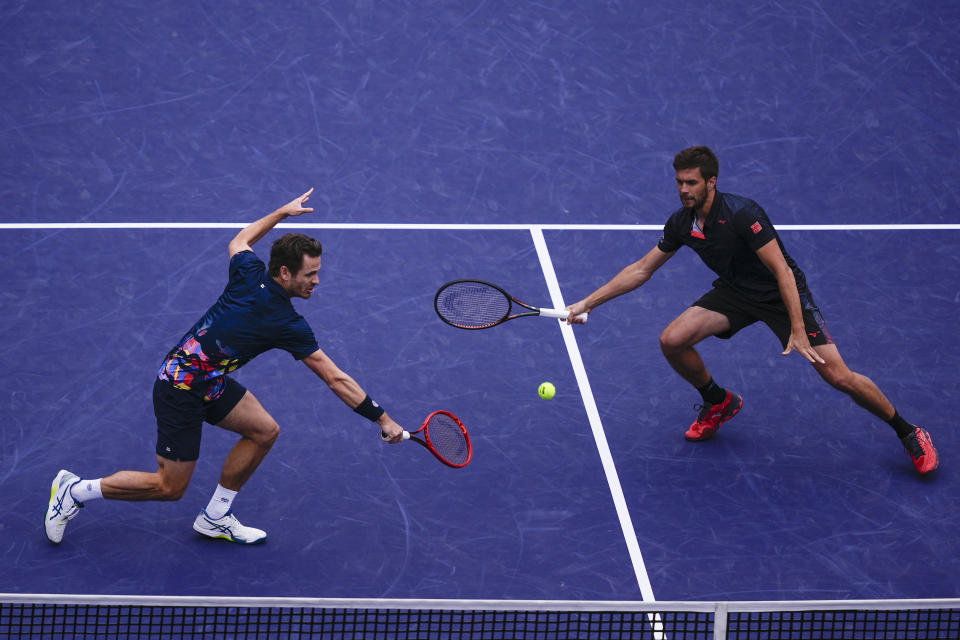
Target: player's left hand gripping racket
{"points": [[475, 304], [445, 437]]}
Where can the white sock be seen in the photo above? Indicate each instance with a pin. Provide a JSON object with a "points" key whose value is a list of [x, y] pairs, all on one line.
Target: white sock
{"points": [[86, 490], [220, 502]]}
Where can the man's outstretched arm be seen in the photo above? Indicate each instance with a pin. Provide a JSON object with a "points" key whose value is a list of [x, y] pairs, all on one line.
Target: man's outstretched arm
{"points": [[256, 230], [347, 389], [631, 277]]}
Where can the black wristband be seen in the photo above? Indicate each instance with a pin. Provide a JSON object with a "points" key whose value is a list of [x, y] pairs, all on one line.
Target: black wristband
{"points": [[369, 409]]}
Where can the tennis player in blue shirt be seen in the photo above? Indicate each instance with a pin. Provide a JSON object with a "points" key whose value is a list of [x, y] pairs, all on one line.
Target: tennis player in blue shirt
{"points": [[253, 314], [758, 281]]}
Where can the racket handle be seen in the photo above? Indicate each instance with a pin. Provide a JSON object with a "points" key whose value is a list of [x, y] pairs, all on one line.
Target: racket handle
{"points": [[560, 314], [406, 434]]}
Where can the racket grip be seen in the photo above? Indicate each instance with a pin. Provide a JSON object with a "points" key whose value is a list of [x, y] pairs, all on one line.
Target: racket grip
{"points": [[406, 435], [560, 314]]}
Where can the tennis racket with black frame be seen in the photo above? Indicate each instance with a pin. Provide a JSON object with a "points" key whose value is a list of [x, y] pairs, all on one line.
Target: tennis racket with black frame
{"points": [[445, 437], [476, 304]]}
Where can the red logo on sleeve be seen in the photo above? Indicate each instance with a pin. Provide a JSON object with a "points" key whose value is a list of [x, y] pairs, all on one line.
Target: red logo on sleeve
{"points": [[755, 227]]}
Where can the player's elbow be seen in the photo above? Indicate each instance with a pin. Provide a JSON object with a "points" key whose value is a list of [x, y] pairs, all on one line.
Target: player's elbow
{"points": [[237, 245], [639, 272]]}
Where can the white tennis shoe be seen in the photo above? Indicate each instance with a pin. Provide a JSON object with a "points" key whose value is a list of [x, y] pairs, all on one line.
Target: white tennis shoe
{"points": [[227, 528], [62, 507]]}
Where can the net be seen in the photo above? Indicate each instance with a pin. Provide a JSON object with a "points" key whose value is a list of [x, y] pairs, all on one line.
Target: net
{"points": [[846, 624], [163, 618], [471, 305], [68, 622]]}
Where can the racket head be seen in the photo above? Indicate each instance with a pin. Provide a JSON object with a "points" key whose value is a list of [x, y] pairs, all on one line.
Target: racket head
{"points": [[472, 304], [447, 439]]}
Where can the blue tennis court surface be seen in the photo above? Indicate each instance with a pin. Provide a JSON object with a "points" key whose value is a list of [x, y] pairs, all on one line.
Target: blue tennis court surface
{"points": [[517, 122]]}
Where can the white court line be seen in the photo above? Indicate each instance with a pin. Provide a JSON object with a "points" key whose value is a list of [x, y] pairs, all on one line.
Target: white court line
{"points": [[453, 227], [613, 480]]}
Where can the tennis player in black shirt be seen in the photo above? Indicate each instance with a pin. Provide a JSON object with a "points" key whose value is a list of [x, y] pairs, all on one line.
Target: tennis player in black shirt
{"points": [[758, 281]]}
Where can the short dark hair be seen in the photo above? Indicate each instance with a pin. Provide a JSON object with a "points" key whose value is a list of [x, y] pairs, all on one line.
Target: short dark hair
{"points": [[288, 251], [698, 157]]}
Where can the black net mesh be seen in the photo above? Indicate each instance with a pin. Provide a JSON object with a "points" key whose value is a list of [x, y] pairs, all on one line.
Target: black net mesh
{"points": [[70, 622], [899, 624], [50, 621]]}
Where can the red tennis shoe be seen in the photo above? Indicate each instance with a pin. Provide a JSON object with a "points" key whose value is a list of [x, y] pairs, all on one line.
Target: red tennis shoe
{"points": [[920, 447], [712, 416]]}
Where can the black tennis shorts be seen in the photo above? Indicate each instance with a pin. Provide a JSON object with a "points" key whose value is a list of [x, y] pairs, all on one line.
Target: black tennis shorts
{"points": [[742, 312], [181, 414]]}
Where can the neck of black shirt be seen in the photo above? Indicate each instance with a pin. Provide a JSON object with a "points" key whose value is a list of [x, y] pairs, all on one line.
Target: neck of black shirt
{"points": [[701, 214]]}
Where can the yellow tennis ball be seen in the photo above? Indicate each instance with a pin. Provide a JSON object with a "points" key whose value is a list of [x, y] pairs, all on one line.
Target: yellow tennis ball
{"points": [[547, 390]]}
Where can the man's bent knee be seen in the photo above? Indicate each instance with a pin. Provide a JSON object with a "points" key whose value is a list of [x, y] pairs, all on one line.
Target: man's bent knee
{"points": [[263, 434], [840, 378], [266, 436], [172, 479], [167, 489], [252, 422], [168, 493], [671, 342]]}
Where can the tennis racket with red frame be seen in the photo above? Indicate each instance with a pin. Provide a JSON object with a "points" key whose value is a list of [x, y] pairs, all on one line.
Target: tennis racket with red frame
{"points": [[445, 437], [476, 304]]}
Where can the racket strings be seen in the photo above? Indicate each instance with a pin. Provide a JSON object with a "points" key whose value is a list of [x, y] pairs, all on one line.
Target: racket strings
{"points": [[472, 304], [448, 439]]}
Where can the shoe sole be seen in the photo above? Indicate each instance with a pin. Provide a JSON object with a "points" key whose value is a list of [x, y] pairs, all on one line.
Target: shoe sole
{"points": [[228, 538]]}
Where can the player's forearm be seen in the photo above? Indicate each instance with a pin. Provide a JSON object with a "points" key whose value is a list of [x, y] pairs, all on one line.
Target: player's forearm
{"points": [[253, 232], [626, 281], [340, 382], [353, 395], [347, 389], [787, 284]]}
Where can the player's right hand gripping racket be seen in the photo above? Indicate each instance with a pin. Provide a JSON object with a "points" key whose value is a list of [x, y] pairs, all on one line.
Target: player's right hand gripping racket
{"points": [[445, 437], [475, 304]]}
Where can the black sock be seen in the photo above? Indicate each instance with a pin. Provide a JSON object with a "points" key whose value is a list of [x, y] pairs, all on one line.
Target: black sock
{"points": [[901, 426], [712, 393]]}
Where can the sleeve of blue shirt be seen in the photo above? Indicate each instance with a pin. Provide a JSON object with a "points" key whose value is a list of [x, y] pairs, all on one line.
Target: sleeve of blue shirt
{"points": [[246, 267], [298, 339]]}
